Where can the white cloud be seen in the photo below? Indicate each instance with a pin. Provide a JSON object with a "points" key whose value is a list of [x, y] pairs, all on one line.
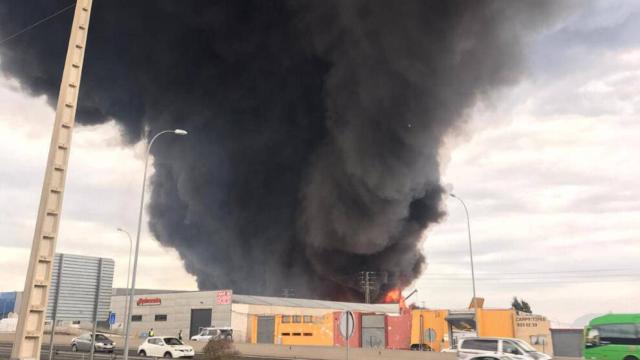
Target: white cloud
{"points": [[102, 194], [549, 171], [551, 184]]}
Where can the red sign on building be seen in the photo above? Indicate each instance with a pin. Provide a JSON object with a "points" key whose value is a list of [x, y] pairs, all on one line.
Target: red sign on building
{"points": [[223, 297], [148, 301]]}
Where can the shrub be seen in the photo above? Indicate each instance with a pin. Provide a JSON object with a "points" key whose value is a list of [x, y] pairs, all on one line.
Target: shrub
{"points": [[219, 350]]}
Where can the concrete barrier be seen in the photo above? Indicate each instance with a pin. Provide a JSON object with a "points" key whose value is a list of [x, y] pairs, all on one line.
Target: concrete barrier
{"points": [[336, 353]]}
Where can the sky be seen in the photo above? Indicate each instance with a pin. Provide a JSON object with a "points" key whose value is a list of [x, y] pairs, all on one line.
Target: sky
{"points": [[548, 169]]}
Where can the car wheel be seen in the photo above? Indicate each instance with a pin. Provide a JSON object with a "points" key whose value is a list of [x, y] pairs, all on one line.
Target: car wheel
{"points": [[142, 353], [168, 355], [74, 348]]}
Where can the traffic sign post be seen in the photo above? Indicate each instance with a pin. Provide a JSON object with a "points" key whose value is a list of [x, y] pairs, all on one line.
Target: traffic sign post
{"points": [[112, 319], [347, 324]]}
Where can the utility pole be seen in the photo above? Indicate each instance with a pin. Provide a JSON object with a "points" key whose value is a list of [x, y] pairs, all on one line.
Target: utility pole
{"points": [[29, 332], [368, 284]]}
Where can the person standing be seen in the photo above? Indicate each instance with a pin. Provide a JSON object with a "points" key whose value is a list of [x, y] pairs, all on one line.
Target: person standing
{"points": [[151, 332], [180, 335]]}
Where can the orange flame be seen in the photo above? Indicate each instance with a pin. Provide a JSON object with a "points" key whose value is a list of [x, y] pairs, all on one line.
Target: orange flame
{"points": [[394, 296]]}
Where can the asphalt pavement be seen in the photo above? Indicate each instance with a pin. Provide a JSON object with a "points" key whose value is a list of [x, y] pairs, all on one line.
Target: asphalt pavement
{"points": [[65, 353]]}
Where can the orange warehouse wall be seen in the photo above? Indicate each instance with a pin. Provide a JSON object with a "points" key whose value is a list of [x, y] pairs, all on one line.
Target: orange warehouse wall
{"points": [[431, 319], [254, 329], [356, 337], [494, 322], [399, 331], [318, 332]]}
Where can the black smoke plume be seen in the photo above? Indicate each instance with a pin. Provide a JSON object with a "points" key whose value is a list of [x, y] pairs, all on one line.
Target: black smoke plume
{"points": [[315, 125]]}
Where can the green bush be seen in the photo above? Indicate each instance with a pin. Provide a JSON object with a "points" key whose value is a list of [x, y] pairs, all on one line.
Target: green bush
{"points": [[219, 350]]}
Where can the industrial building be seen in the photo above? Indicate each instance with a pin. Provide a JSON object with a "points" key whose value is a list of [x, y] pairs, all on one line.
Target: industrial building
{"points": [[9, 303], [168, 312], [415, 329], [289, 321]]}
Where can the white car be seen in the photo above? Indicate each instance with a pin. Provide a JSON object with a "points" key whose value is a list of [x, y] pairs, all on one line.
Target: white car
{"points": [[516, 349], [83, 343], [165, 346]]}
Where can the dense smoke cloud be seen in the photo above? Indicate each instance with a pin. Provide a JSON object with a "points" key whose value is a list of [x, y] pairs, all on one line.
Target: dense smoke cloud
{"points": [[315, 125]]}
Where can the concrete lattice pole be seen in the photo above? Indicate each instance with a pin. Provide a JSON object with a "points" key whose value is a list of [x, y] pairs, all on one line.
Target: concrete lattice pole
{"points": [[30, 328]]}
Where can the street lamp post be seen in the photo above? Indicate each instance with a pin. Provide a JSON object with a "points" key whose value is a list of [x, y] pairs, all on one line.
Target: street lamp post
{"points": [[135, 257], [473, 275], [125, 318]]}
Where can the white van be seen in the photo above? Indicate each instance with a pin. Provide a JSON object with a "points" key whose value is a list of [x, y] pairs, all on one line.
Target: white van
{"points": [[215, 333], [514, 348]]}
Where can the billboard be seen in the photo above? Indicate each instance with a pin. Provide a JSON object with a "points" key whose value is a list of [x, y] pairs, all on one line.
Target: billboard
{"points": [[80, 286], [223, 297], [222, 309]]}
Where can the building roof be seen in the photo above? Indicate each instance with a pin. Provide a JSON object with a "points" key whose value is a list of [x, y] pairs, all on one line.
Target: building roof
{"points": [[125, 291], [310, 303], [281, 301]]}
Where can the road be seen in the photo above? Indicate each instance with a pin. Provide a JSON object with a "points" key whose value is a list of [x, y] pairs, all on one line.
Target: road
{"points": [[65, 353]]}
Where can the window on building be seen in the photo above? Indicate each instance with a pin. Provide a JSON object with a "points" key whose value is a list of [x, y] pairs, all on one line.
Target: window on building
{"points": [[286, 319], [286, 334], [307, 334], [135, 318], [297, 319], [307, 319], [538, 340], [161, 317], [76, 322], [296, 334]]}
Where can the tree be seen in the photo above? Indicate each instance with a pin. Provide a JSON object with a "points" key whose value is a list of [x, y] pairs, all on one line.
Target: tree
{"points": [[219, 350], [521, 305]]}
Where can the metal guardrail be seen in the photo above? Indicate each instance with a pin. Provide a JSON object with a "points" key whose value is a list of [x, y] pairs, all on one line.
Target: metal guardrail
{"points": [[5, 353]]}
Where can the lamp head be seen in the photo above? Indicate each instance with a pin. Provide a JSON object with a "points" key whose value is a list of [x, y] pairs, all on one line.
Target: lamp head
{"points": [[180, 132]]}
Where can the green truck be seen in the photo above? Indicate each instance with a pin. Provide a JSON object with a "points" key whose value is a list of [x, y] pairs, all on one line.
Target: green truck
{"points": [[613, 337]]}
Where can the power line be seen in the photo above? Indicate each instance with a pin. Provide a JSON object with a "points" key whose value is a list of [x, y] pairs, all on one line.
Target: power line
{"points": [[37, 23], [544, 272], [544, 282], [565, 276]]}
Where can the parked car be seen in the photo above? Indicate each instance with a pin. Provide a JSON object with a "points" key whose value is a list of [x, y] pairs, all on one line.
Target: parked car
{"points": [[83, 343], [165, 346], [215, 333], [514, 348]]}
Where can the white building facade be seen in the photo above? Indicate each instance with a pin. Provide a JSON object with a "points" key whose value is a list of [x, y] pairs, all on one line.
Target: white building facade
{"points": [[167, 313]]}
